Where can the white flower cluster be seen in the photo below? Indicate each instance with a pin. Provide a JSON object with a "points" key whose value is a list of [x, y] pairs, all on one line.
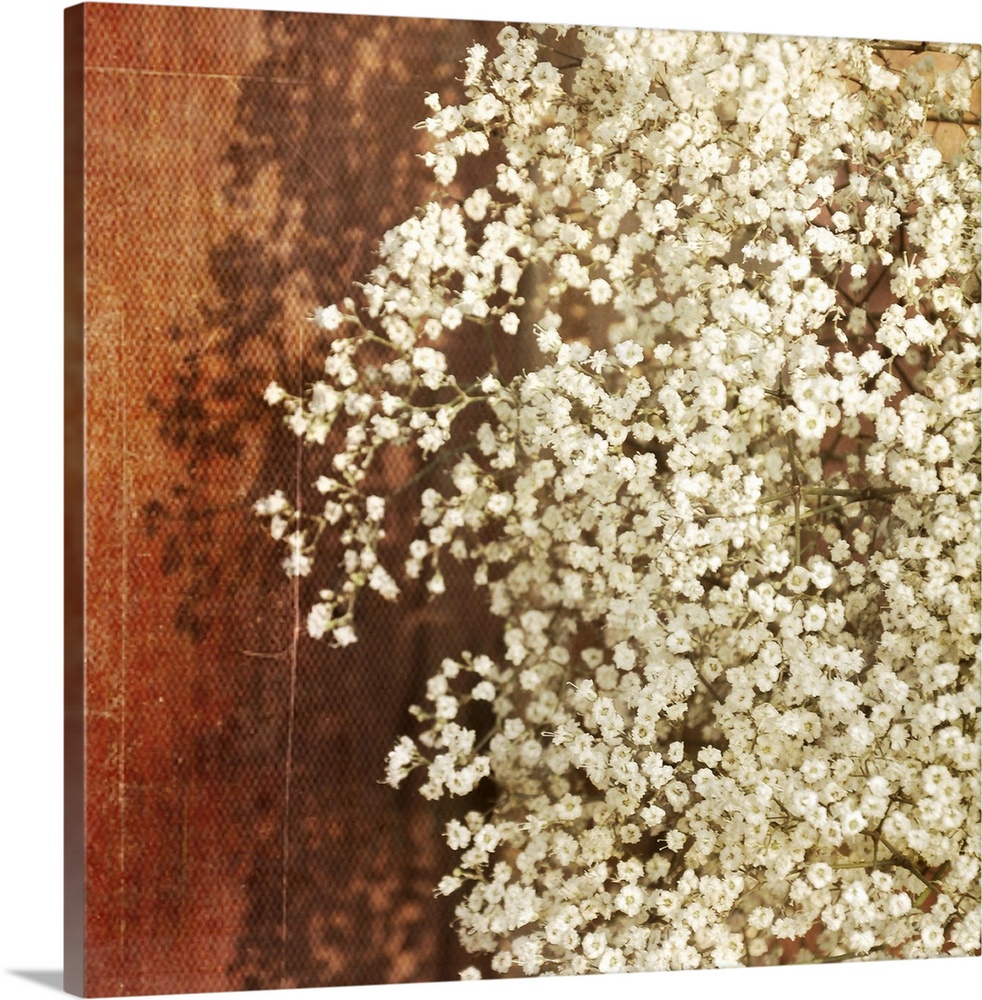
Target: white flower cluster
{"points": [[729, 522]]}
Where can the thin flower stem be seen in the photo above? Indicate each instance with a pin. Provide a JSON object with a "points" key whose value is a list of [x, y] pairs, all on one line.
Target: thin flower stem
{"points": [[430, 467], [709, 686], [870, 493], [796, 498]]}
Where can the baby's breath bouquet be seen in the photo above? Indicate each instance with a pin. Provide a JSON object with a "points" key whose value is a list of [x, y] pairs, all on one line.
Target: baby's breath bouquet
{"points": [[718, 477]]}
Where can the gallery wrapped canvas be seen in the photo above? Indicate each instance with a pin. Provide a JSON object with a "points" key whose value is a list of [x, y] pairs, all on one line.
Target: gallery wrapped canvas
{"points": [[526, 500]]}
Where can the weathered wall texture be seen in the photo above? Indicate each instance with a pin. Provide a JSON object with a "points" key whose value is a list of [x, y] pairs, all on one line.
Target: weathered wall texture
{"points": [[239, 167]]}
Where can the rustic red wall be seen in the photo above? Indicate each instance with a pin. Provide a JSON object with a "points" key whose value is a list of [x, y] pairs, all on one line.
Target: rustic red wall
{"points": [[238, 168]]}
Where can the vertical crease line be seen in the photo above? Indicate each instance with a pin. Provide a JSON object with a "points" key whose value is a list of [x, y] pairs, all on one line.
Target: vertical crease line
{"points": [[292, 698], [124, 601]]}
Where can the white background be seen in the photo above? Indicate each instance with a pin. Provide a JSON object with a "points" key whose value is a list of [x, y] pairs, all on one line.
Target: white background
{"points": [[31, 511]]}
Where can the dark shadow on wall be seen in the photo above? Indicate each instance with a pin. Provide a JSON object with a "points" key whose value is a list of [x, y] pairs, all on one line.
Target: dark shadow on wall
{"points": [[337, 871]]}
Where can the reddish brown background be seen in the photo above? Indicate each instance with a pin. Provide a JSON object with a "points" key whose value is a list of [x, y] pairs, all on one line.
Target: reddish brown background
{"points": [[238, 168]]}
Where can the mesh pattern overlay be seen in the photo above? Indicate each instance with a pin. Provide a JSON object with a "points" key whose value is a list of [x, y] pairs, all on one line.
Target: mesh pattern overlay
{"points": [[239, 168]]}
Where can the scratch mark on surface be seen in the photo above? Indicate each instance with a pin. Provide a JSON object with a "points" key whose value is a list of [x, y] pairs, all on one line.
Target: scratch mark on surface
{"points": [[140, 71], [124, 606], [291, 707]]}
